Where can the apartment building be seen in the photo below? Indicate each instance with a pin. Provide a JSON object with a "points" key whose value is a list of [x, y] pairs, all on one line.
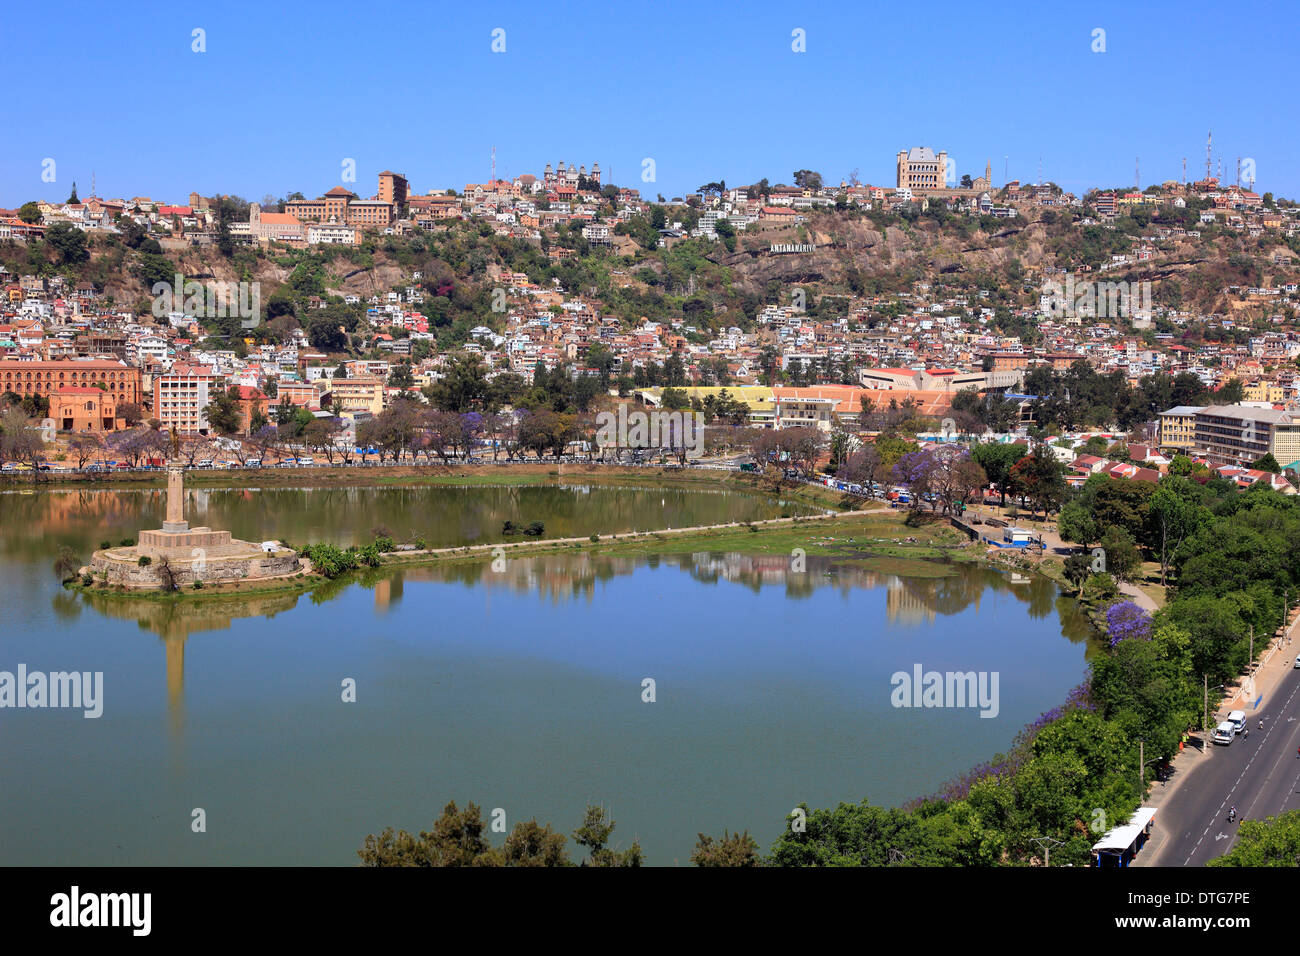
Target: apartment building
{"points": [[181, 400], [1241, 434], [350, 396], [1178, 427], [393, 189]]}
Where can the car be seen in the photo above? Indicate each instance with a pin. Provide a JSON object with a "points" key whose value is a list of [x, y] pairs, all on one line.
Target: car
{"points": [[205, 463], [306, 461], [1224, 733], [1238, 720], [253, 463], [1296, 665]]}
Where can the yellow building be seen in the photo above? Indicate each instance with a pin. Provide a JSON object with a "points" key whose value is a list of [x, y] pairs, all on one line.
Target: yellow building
{"points": [[349, 396], [1178, 427], [1264, 391]]}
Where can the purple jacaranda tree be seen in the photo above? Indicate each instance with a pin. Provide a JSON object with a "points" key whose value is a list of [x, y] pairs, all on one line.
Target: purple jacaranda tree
{"points": [[916, 471], [1126, 621]]}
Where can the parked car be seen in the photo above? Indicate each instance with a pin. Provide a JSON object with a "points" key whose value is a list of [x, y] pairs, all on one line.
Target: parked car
{"points": [[1238, 720], [253, 463], [1224, 733]]}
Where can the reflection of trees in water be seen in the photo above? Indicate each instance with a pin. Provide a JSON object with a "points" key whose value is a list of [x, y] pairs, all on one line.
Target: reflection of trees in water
{"points": [[179, 617], [445, 515]]}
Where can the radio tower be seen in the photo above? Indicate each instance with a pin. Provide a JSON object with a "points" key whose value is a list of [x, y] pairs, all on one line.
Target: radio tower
{"points": [[494, 165], [1209, 139]]}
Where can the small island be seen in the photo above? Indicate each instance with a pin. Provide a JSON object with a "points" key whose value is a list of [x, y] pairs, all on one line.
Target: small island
{"points": [[177, 555]]}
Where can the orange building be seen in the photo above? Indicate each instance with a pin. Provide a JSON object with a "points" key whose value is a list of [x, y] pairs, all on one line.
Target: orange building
{"points": [[44, 378], [88, 409], [250, 401]]}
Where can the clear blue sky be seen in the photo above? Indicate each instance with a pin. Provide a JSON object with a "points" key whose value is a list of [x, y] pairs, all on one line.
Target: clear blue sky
{"points": [[287, 91]]}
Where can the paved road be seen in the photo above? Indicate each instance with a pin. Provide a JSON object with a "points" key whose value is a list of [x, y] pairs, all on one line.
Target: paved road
{"points": [[1259, 773]]}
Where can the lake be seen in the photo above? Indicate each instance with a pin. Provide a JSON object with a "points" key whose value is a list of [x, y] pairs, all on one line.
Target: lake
{"points": [[520, 689]]}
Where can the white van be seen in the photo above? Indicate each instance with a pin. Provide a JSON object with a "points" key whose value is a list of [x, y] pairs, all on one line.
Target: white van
{"points": [[1238, 720], [1224, 733]]}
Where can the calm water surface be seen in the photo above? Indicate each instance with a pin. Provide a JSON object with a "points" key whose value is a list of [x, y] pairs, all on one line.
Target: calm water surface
{"points": [[520, 690]]}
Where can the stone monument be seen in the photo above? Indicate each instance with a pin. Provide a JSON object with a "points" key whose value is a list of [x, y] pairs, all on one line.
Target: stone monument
{"points": [[176, 554]]}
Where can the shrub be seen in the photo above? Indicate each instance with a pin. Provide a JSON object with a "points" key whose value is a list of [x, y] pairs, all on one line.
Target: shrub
{"points": [[198, 585], [144, 561], [87, 580], [126, 543], [330, 560], [595, 538], [385, 544], [535, 528], [105, 545]]}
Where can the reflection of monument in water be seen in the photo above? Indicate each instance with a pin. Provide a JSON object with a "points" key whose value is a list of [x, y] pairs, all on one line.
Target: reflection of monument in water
{"points": [[174, 622], [177, 555]]}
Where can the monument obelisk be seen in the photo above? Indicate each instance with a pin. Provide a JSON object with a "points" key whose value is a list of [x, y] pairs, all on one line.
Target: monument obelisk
{"points": [[175, 518]]}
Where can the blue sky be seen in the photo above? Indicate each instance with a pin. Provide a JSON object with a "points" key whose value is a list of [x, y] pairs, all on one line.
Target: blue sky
{"points": [[286, 92]]}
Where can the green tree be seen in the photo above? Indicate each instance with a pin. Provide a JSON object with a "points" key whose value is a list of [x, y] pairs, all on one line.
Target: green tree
{"points": [[68, 241], [1267, 463], [731, 849], [593, 834], [1271, 842], [223, 413], [1077, 524]]}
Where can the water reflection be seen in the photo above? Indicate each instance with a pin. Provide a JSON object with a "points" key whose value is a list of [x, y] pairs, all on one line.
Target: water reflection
{"points": [[916, 592], [174, 620]]}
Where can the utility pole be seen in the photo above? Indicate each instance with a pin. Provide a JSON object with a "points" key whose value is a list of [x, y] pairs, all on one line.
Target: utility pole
{"points": [[1047, 843], [1205, 720], [1142, 763]]}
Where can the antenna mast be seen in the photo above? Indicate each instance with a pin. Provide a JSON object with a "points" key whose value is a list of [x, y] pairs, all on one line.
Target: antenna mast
{"points": [[494, 165], [1209, 140]]}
